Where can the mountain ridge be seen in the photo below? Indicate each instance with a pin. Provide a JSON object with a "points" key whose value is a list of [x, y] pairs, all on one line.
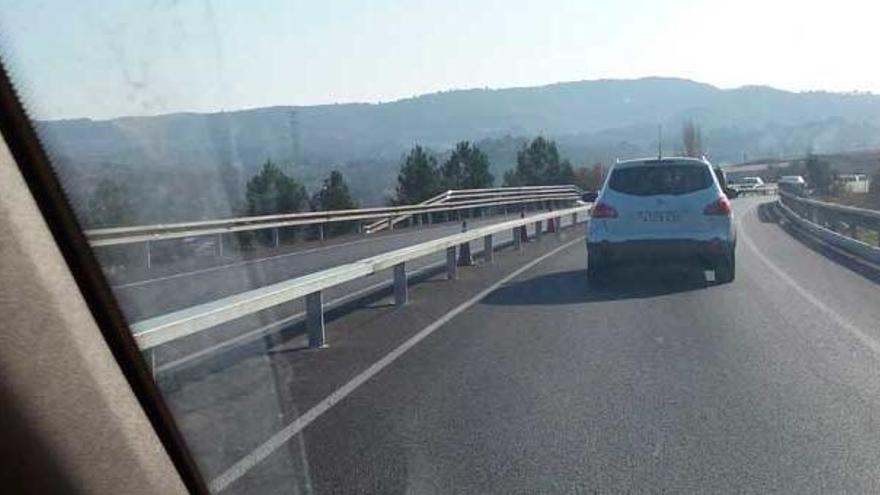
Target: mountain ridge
{"points": [[592, 120]]}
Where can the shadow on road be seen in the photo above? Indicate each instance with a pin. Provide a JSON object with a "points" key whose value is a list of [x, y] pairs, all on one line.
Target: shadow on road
{"points": [[767, 213], [573, 287]]}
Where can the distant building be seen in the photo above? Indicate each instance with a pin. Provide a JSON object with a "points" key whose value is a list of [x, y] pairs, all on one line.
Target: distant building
{"points": [[854, 183]]}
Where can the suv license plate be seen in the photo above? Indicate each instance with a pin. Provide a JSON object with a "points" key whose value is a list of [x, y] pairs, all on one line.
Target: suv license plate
{"points": [[659, 216]]}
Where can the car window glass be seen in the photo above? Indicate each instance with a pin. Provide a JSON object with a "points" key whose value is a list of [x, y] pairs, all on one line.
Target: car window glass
{"points": [[656, 180]]}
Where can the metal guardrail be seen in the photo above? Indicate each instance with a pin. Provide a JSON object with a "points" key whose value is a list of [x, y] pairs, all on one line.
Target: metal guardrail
{"points": [[838, 225], [162, 329], [495, 193], [147, 233]]}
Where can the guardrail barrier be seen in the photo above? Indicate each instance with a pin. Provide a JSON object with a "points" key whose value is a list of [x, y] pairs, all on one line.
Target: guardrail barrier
{"points": [[162, 329], [448, 203], [842, 226]]}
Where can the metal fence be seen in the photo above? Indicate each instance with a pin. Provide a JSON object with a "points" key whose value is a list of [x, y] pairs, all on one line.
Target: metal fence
{"points": [[162, 329], [852, 229], [447, 205]]}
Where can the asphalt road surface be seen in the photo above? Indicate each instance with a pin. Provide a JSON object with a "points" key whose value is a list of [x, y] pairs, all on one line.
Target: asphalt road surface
{"points": [[521, 377]]}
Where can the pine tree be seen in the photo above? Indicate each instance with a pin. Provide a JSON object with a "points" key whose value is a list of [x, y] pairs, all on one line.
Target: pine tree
{"points": [[271, 191], [418, 179], [466, 168], [538, 164], [109, 205]]}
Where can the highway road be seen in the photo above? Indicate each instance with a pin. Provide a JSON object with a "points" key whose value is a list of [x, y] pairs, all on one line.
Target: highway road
{"points": [[521, 377]]}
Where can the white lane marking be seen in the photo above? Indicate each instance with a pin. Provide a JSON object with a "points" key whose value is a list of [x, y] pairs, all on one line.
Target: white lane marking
{"points": [[869, 342], [271, 258], [246, 463]]}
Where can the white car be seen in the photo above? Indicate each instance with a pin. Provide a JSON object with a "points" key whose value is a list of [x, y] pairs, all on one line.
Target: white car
{"points": [[747, 184], [668, 208], [792, 179]]}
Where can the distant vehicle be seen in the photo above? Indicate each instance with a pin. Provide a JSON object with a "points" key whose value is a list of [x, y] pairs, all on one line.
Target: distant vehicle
{"points": [[589, 196], [794, 184], [854, 183], [666, 208], [791, 179], [745, 185]]}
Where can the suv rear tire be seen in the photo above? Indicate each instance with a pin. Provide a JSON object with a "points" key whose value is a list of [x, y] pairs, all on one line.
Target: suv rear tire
{"points": [[725, 268], [597, 269]]}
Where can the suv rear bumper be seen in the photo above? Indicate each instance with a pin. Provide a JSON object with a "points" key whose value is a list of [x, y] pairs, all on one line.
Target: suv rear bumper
{"points": [[655, 249]]}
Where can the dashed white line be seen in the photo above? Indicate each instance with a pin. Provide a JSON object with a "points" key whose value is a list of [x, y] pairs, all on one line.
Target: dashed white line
{"points": [[246, 463]]}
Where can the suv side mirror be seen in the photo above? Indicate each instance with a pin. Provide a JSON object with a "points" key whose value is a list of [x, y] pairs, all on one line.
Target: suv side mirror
{"points": [[731, 193]]}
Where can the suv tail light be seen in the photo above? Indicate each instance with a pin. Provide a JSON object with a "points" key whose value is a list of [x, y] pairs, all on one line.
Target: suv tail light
{"points": [[720, 206], [603, 210]]}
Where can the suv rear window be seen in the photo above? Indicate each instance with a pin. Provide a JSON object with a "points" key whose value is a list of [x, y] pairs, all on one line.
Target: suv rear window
{"points": [[652, 180]]}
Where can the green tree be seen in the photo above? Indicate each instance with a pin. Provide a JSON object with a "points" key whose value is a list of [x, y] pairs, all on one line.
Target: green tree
{"points": [[692, 139], [418, 179], [538, 164], [272, 191], [110, 205], [466, 168], [565, 174], [334, 195], [819, 175], [589, 178]]}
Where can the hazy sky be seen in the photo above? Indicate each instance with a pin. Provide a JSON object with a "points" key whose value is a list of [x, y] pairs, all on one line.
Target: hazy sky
{"points": [[100, 59]]}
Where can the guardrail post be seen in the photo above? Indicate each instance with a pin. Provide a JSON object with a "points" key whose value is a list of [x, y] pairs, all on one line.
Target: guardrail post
{"points": [[488, 252], [152, 353], [149, 255], [451, 263], [400, 289], [464, 250], [390, 224], [853, 230], [517, 238], [574, 219], [539, 231], [321, 232], [220, 245], [558, 226], [275, 236], [315, 319]]}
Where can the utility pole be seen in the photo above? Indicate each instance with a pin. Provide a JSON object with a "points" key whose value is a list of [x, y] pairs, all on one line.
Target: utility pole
{"points": [[659, 141], [294, 141]]}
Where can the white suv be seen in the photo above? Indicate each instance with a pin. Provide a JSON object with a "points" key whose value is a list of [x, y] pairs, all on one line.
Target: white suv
{"points": [[664, 208]]}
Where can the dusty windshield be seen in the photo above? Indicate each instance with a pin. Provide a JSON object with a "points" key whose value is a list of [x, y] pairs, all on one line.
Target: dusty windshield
{"points": [[366, 247]]}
